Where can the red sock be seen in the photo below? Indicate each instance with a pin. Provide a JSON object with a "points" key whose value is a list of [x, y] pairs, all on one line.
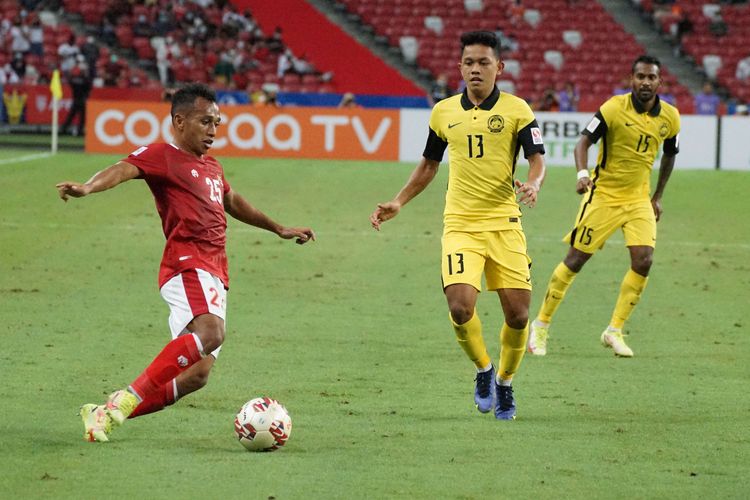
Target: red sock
{"points": [[170, 362], [162, 398]]}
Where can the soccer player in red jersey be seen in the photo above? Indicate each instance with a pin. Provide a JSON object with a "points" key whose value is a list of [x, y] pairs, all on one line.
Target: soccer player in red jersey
{"points": [[191, 197]]}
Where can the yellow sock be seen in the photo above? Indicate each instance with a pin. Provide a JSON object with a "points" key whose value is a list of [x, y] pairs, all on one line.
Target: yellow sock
{"points": [[469, 336], [561, 279], [512, 347], [630, 293]]}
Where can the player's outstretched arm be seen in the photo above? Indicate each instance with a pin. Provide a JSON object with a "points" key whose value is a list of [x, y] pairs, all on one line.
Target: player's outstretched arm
{"points": [[419, 179], [101, 181], [529, 190], [581, 155], [241, 209], [665, 170]]}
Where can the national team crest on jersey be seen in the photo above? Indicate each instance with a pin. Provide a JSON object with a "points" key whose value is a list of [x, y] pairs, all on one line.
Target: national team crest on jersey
{"points": [[663, 130], [195, 173], [496, 124]]}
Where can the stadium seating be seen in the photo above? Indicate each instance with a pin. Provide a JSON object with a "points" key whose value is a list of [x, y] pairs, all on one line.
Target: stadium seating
{"points": [[715, 55], [538, 27], [199, 50]]}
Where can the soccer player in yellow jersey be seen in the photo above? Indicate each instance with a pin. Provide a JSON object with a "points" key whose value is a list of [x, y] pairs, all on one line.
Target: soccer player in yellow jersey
{"points": [[632, 127], [483, 129]]}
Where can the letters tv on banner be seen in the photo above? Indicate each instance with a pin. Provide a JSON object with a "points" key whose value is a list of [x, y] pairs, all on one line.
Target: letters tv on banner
{"points": [[121, 127]]}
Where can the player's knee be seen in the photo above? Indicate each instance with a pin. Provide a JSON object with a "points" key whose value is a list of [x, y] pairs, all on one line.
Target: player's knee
{"points": [[575, 262], [461, 313], [211, 338], [517, 319], [642, 264]]}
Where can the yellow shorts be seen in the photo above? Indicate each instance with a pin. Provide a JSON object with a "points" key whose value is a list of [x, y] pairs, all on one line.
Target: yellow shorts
{"points": [[596, 223], [500, 255]]}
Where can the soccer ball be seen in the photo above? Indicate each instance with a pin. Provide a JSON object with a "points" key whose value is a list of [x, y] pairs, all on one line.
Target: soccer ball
{"points": [[263, 424]]}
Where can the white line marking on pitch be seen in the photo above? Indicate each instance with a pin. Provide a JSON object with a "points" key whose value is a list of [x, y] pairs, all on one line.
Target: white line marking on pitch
{"points": [[20, 159]]}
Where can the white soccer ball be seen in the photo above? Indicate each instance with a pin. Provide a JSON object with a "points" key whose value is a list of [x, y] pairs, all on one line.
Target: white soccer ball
{"points": [[263, 424]]}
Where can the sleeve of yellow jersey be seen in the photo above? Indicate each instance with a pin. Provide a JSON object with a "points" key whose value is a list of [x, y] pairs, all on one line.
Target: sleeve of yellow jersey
{"points": [[436, 122], [609, 111]]}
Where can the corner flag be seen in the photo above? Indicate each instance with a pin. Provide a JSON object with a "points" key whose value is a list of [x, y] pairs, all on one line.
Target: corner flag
{"points": [[55, 86]]}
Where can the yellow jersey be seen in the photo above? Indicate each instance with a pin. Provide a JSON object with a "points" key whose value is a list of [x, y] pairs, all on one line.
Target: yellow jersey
{"points": [[483, 144], [631, 139]]}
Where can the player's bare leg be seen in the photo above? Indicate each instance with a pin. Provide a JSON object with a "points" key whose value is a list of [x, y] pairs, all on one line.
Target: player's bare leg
{"points": [[195, 377]]}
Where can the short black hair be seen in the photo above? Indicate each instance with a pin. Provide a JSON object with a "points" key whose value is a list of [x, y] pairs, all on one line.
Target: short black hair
{"points": [[486, 38], [187, 95], [646, 59]]}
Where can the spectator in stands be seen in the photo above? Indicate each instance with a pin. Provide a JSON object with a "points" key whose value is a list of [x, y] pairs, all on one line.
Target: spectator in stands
{"points": [[112, 71], [142, 27], [36, 37], [225, 67], [68, 51], [515, 11], [707, 102], [682, 26], [439, 90], [269, 96], [568, 98], [623, 88], [284, 63], [8, 76], [32, 76], [18, 65], [80, 83], [275, 42], [302, 66], [165, 21], [742, 110], [717, 26], [348, 101], [742, 72], [19, 35], [666, 95], [90, 52], [107, 32], [548, 101], [507, 42]]}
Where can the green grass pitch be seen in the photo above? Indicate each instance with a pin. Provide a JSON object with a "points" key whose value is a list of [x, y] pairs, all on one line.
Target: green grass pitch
{"points": [[351, 333]]}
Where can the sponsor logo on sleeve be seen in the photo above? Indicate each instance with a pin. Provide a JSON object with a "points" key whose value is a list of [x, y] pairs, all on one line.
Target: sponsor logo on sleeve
{"points": [[593, 124], [536, 135]]}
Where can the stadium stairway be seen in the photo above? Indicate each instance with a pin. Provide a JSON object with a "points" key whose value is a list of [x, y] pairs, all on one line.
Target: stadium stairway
{"points": [[306, 31], [644, 32]]}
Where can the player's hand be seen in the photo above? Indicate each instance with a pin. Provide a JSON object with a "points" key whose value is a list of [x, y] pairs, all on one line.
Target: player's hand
{"points": [[527, 193], [303, 234], [656, 204], [72, 189], [384, 212], [583, 185]]}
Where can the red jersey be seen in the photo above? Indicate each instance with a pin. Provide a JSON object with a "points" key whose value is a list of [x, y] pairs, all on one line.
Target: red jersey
{"points": [[189, 194]]}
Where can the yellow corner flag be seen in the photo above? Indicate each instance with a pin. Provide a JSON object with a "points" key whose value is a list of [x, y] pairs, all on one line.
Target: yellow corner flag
{"points": [[55, 87]]}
